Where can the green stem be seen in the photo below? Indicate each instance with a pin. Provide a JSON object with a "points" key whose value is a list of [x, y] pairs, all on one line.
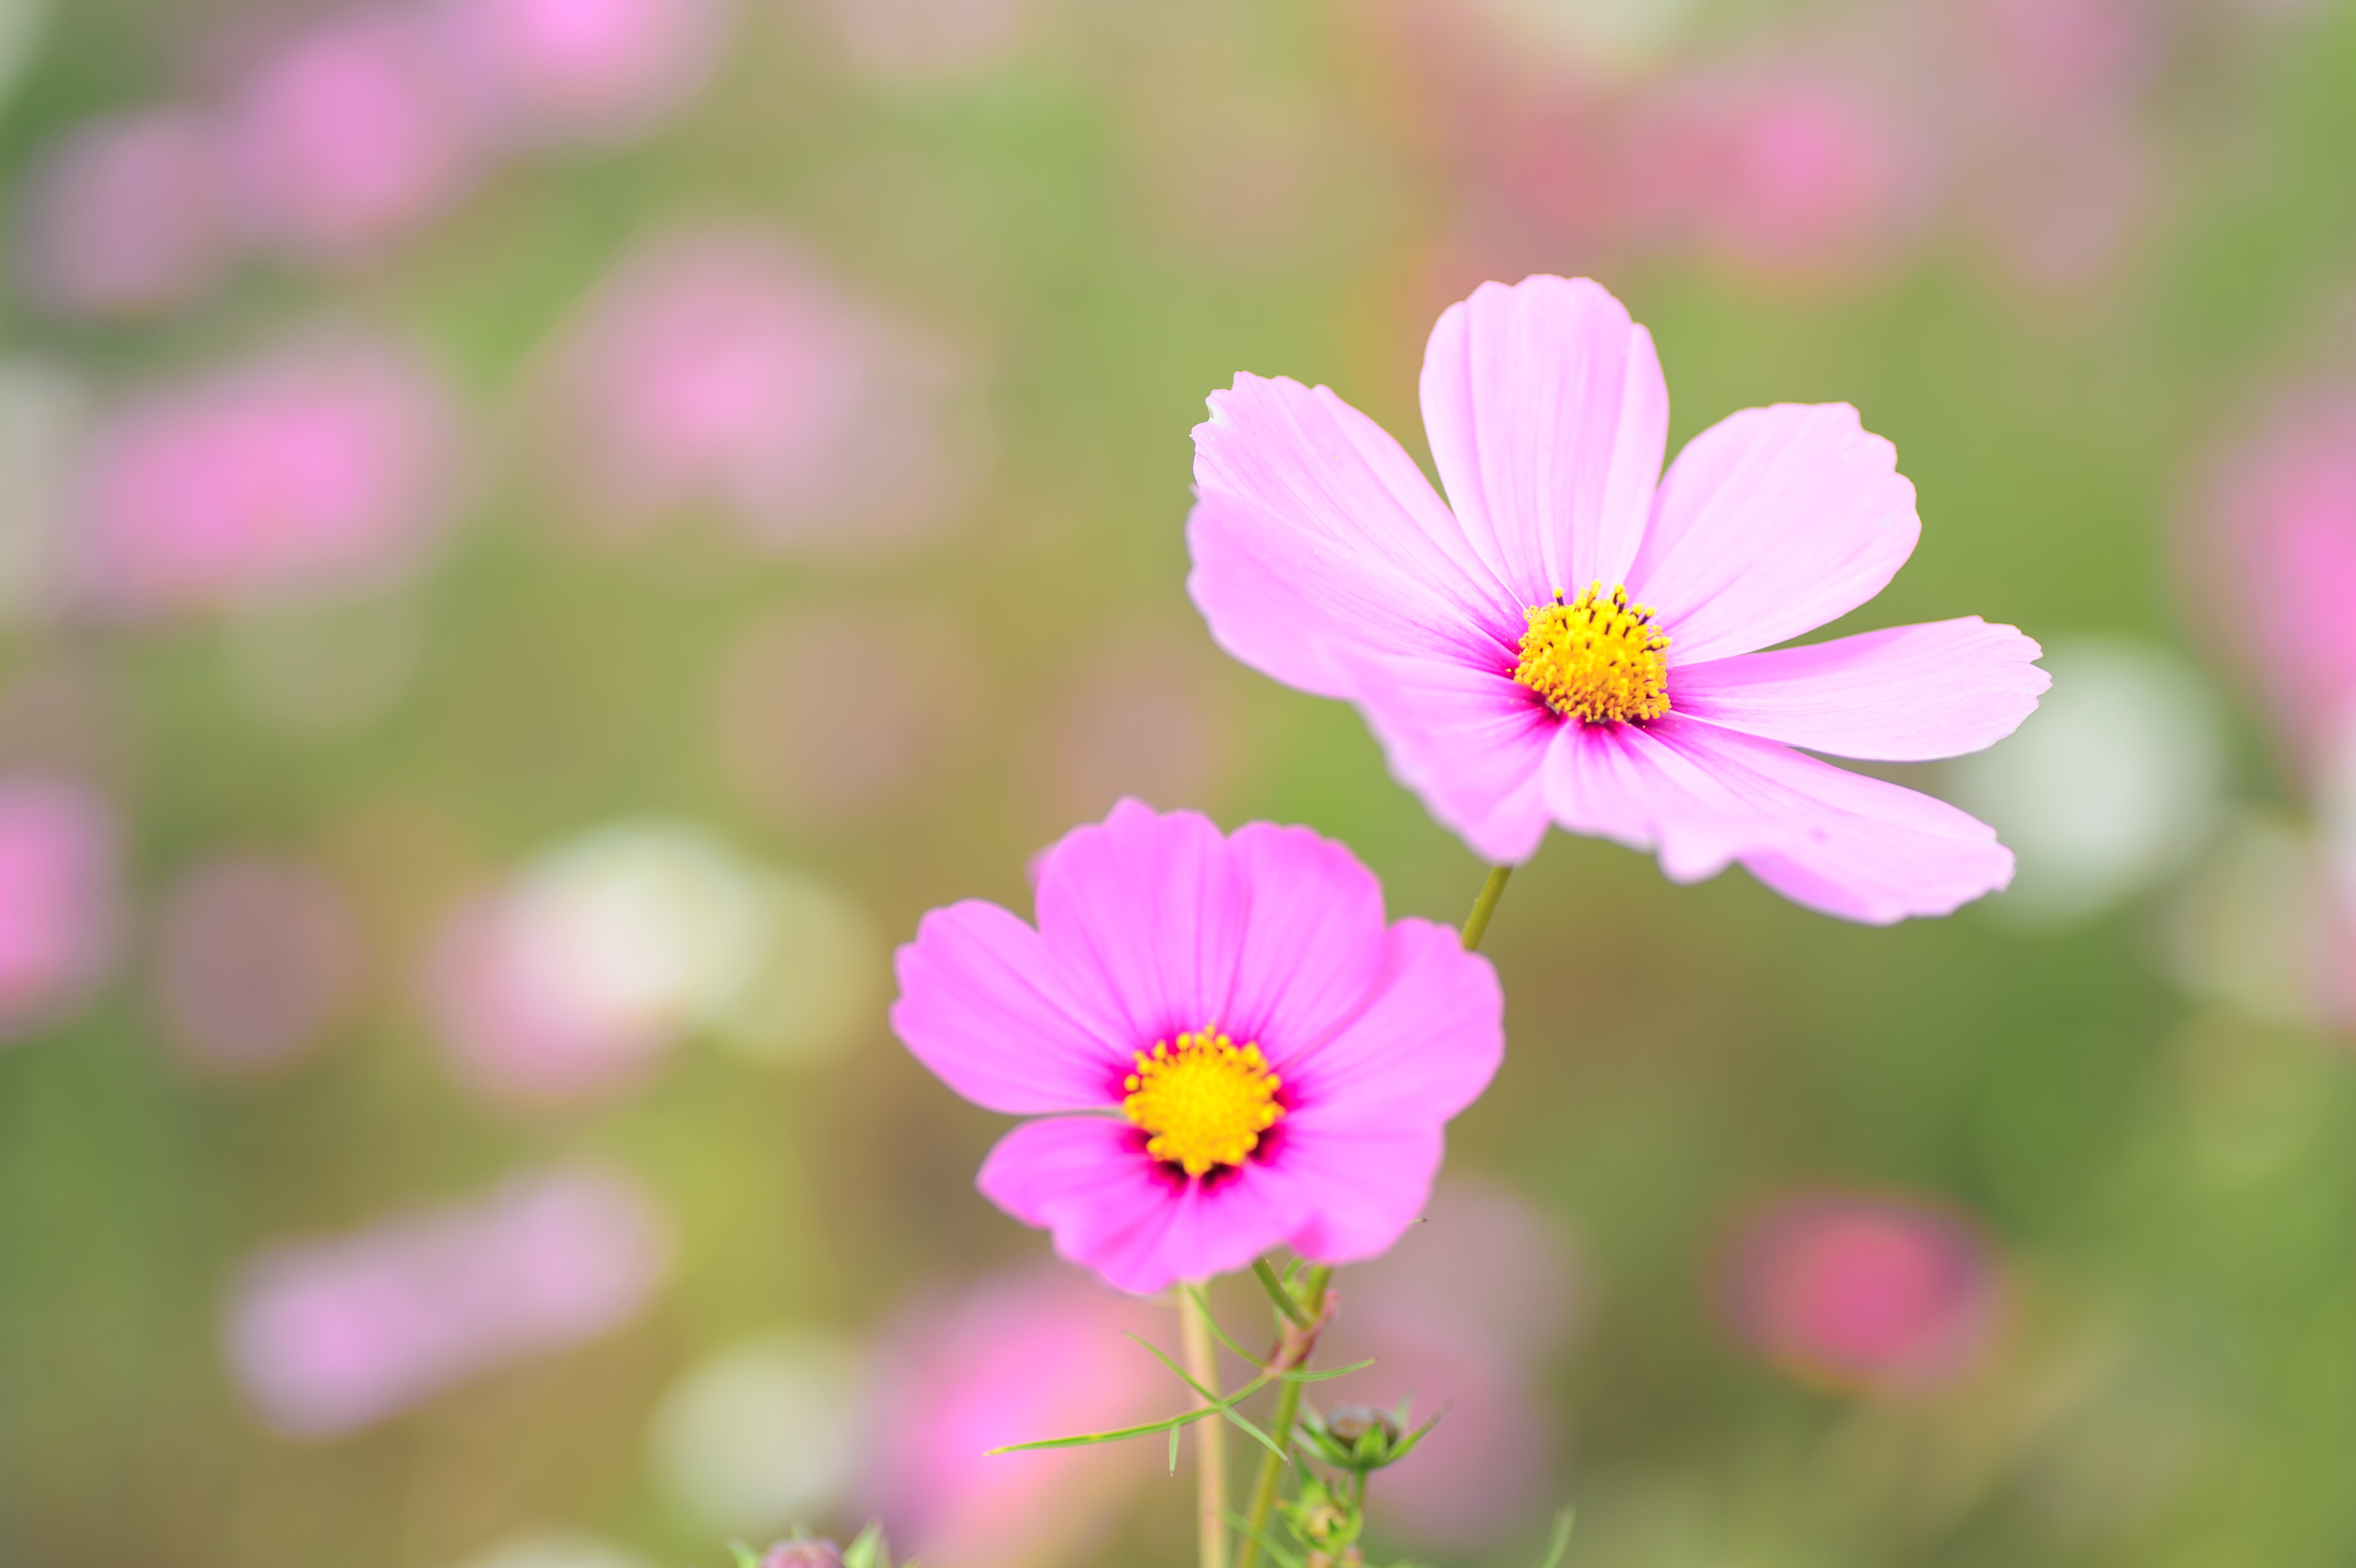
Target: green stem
{"points": [[1210, 1436], [1287, 1411], [1476, 924]]}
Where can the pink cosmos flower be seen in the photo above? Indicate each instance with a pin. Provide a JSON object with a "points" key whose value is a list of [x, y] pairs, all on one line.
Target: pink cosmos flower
{"points": [[1229, 1048], [319, 466], [348, 135], [332, 1335], [257, 958], [1574, 642], [1867, 1293], [129, 216], [2279, 536], [552, 70], [57, 867], [1781, 169], [724, 370]]}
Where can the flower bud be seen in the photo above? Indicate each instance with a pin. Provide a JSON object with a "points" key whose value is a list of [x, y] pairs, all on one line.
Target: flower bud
{"points": [[1351, 1423]]}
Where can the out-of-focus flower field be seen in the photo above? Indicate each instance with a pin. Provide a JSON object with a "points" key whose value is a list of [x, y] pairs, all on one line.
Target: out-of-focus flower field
{"points": [[537, 537]]}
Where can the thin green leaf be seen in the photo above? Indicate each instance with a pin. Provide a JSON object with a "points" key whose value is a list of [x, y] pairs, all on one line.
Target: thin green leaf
{"points": [[1220, 1334], [1122, 1435], [1222, 1403], [1306, 1377], [1279, 1292], [1560, 1543], [1406, 1445], [745, 1556], [1173, 1450]]}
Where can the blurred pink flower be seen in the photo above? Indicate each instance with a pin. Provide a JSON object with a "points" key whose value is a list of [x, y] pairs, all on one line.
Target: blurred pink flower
{"points": [[1783, 169], [58, 868], [557, 70], [2277, 536], [1497, 642], [1461, 1314], [257, 958], [2049, 58], [1139, 720], [349, 133], [325, 465], [837, 712], [1282, 1060], [724, 370], [517, 1018], [326, 1337], [1032, 1354], [131, 215], [1865, 1293]]}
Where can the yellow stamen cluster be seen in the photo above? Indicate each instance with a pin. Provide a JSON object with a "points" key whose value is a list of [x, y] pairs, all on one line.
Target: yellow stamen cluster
{"points": [[1598, 658], [1203, 1103]]}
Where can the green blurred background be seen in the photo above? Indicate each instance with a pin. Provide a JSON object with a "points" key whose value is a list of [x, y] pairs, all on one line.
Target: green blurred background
{"points": [[2063, 276]]}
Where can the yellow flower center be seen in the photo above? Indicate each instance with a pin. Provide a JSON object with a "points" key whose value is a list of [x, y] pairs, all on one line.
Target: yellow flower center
{"points": [[1598, 658], [1204, 1102]]}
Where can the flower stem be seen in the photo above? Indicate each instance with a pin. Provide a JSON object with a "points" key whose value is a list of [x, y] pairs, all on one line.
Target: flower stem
{"points": [[1476, 924], [1210, 1436], [1287, 1411]]}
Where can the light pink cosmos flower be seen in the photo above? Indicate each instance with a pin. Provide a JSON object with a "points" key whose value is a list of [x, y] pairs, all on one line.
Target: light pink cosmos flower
{"points": [[560, 70], [1779, 168], [57, 916], [329, 1336], [1229, 1048], [319, 466], [348, 135], [130, 216], [724, 370], [257, 958], [1867, 1293], [1574, 642], [2278, 536]]}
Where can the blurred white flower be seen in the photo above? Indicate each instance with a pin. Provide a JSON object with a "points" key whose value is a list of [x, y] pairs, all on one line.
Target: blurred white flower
{"points": [[762, 1434], [556, 1549], [575, 978], [2111, 785]]}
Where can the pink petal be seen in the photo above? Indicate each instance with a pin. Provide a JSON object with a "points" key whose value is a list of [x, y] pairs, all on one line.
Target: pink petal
{"points": [[1313, 943], [1468, 741], [983, 1005], [1316, 530], [1771, 523], [1835, 841], [1906, 694], [1547, 417], [1145, 914], [1426, 1046], [1088, 1180], [1362, 1186]]}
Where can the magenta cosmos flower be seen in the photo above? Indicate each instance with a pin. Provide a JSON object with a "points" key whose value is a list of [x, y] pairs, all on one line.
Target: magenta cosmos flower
{"points": [[1571, 637], [1227, 1047]]}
